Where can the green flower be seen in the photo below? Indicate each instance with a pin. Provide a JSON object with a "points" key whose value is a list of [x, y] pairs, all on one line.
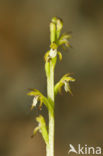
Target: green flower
{"points": [[64, 40], [42, 128], [39, 97], [64, 81]]}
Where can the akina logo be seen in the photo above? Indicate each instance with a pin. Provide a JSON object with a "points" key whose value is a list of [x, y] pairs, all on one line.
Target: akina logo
{"points": [[85, 150]]}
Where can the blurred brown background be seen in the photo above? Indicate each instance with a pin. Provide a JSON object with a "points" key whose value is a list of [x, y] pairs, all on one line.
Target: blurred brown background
{"points": [[24, 38]]}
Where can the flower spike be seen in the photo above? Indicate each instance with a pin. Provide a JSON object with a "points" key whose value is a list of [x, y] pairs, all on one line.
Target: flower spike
{"points": [[56, 40]]}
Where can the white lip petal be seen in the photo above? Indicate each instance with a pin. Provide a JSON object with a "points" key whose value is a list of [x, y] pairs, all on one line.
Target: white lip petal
{"points": [[35, 101], [53, 53], [39, 125], [66, 86]]}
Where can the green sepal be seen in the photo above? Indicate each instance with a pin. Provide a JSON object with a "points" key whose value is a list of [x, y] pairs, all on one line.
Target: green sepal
{"points": [[58, 87], [60, 55], [65, 36], [46, 56], [35, 131]]}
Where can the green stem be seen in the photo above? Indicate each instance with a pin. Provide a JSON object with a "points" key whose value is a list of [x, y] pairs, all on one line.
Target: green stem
{"points": [[50, 93]]}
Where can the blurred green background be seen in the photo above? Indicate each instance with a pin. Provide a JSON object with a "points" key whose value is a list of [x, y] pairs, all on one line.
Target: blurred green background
{"points": [[24, 38]]}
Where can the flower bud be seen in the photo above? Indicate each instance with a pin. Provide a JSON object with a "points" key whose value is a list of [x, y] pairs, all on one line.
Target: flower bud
{"points": [[54, 20], [52, 32], [59, 27]]}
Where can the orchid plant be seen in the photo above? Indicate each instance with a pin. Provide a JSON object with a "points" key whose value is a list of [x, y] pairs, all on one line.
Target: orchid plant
{"points": [[56, 40]]}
